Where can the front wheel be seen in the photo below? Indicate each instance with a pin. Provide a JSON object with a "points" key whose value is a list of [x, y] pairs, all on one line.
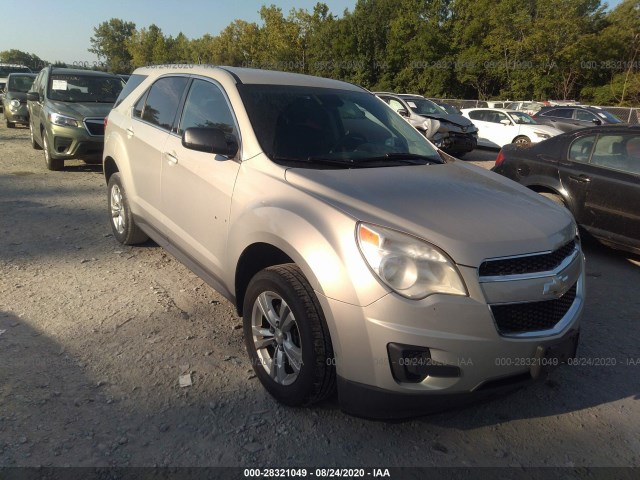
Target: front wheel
{"points": [[287, 338], [123, 226], [52, 163]]}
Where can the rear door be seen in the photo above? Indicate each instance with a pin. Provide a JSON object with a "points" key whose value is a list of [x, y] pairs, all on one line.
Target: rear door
{"points": [[560, 118], [35, 108], [197, 187], [480, 119], [613, 199]]}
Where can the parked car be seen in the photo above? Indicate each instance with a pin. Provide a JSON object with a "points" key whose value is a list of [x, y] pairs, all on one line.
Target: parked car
{"points": [[357, 253], [594, 172], [499, 127], [452, 133], [8, 68], [569, 118], [14, 99], [530, 108], [67, 109]]}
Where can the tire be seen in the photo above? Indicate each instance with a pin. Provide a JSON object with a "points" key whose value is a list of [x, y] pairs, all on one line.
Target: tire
{"points": [[299, 338], [522, 141], [10, 124], [34, 144], [123, 226], [555, 198], [52, 163]]}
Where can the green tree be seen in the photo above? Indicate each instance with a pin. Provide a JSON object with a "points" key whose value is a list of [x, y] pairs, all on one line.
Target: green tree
{"points": [[19, 57], [109, 43]]}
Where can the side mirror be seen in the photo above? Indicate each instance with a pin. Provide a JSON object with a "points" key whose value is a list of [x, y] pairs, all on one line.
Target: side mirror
{"points": [[33, 96], [210, 140], [505, 122], [403, 112], [597, 121]]}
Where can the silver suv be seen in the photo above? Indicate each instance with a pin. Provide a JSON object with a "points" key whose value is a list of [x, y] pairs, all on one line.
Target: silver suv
{"points": [[358, 255]]}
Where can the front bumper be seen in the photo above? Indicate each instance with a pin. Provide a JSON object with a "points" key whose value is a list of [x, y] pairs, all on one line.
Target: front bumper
{"points": [[453, 142], [74, 142], [19, 115], [458, 332]]}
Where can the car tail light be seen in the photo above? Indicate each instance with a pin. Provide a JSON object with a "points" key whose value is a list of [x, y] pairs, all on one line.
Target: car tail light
{"points": [[499, 158], [106, 120]]}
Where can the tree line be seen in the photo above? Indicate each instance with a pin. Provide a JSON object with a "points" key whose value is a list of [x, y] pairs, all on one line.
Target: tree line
{"points": [[484, 49]]}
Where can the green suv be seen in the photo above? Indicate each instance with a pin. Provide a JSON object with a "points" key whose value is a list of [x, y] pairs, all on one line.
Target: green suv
{"points": [[67, 109]]}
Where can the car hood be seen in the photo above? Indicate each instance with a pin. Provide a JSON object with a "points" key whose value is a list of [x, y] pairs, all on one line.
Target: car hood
{"points": [[457, 120], [81, 109], [469, 212]]}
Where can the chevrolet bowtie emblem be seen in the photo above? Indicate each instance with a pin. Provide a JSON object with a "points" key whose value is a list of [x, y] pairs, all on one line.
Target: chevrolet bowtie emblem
{"points": [[557, 286]]}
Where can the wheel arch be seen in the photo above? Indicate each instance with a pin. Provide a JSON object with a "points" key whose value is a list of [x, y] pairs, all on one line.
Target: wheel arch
{"points": [[109, 168]]}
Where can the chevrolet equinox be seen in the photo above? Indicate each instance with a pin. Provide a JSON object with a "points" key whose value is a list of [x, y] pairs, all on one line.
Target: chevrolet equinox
{"points": [[359, 256]]}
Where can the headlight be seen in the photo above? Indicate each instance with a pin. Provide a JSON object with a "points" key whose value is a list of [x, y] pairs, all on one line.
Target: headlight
{"points": [[408, 265], [14, 104], [63, 121], [542, 135]]}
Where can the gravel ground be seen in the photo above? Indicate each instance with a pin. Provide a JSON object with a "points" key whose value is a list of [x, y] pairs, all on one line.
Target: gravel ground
{"points": [[94, 337]]}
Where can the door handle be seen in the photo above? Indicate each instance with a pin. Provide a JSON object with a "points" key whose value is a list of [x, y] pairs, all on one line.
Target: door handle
{"points": [[171, 159], [580, 178], [129, 132]]}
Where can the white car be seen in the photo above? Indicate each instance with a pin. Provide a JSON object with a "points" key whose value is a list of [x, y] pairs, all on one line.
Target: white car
{"points": [[499, 127]]}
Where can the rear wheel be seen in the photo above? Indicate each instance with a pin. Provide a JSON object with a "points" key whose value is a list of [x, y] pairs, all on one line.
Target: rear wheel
{"points": [[287, 337], [522, 141], [123, 226], [52, 163]]}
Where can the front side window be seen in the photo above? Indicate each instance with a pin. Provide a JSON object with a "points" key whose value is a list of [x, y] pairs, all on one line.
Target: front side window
{"points": [[206, 106], [618, 152], [162, 101], [580, 149], [65, 87], [422, 106], [522, 118], [584, 116], [396, 105], [321, 126]]}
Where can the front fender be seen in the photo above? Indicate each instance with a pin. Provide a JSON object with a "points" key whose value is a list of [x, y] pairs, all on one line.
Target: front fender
{"points": [[322, 244]]}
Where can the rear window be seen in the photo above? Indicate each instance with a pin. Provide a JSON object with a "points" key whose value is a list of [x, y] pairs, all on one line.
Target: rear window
{"points": [[559, 112], [130, 86]]}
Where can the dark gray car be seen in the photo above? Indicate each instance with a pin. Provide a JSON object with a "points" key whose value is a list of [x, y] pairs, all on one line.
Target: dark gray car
{"points": [[14, 99]]}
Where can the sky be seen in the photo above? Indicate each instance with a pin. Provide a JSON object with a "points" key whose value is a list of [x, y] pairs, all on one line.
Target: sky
{"points": [[60, 30]]}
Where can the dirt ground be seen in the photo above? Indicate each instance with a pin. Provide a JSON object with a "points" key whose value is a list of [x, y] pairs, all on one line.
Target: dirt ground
{"points": [[94, 337]]}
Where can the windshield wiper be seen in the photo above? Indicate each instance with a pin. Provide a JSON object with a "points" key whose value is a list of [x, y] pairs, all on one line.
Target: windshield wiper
{"points": [[383, 160]]}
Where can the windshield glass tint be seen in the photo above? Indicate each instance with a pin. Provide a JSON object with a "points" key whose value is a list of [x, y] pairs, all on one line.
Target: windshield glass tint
{"points": [[425, 107], [20, 83], [84, 88], [300, 123], [522, 118]]}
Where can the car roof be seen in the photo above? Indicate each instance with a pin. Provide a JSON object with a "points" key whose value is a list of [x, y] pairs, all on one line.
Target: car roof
{"points": [[78, 71], [489, 109], [612, 128], [252, 76], [22, 74]]}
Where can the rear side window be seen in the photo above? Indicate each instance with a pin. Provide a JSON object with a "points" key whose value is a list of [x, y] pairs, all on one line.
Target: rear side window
{"points": [[206, 106], [618, 152], [580, 149], [163, 100], [559, 112], [476, 115], [129, 87], [585, 116]]}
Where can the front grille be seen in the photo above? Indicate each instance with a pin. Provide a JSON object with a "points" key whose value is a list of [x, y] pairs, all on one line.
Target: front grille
{"points": [[532, 316], [543, 262], [95, 126]]}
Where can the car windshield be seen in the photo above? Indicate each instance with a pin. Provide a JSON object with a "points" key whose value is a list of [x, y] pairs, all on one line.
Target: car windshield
{"points": [[422, 106], [20, 83], [522, 118], [331, 127], [609, 117], [84, 88]]}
